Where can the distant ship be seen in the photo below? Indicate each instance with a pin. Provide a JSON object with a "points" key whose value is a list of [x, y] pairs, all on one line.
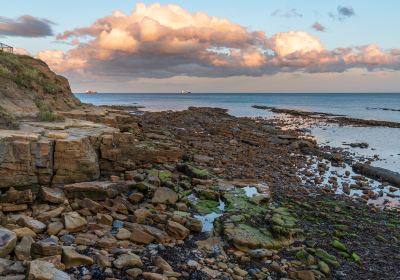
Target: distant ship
{"points": [[90, 92], [185, 91]]}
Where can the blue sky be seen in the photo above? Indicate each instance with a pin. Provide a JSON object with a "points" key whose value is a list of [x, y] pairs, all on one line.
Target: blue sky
{"points": [[373, 22]]}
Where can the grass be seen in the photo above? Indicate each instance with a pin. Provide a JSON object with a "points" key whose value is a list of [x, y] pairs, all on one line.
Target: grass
{"points": [[7, 121], [14, 67], [45, 113]]}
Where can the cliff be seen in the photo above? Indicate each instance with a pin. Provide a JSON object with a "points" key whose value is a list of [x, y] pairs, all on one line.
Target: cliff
{"points": [[29, 89]]}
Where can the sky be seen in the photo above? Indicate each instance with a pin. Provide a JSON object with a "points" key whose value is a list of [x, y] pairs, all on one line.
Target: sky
{"points": [[211, 46]]}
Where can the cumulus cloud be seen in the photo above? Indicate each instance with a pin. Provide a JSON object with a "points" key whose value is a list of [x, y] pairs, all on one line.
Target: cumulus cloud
{"points": [[318, 27], [287, 14], [164, 41], [26, 26], [343, 12]]}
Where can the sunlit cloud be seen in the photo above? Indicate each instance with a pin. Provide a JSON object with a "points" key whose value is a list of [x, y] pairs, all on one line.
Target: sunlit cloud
{"points": [[156, 41]]}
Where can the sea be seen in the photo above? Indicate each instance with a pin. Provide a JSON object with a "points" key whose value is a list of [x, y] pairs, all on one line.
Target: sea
{"points": [[383, 141]]}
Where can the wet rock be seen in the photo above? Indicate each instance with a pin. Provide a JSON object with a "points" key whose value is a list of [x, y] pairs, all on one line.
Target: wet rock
{"points": [[8, 240], [42, 270], [164, 195], [177, 230], [74, 222], [128, 260], [52, 195], [71, 258]]}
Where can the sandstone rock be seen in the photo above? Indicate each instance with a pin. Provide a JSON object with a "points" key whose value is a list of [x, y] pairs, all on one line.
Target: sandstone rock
{"points": [[92, 190], [52, 195], [160, 235], [75, 160], [42, 270], [86, 239], [177, 230], [104, 219], [18, 197], [135, 197], [162, 264], [140, 237], [74, 222], [134, 272], [164, 196], [305, 275], [127, 261], [154, 276], [24, 231], [10, 207], [45, 216], [54, 228], [71, 258], [23, 249], [33, 224], [8, 240], [107, 242], [46, 247], [123, 234]]}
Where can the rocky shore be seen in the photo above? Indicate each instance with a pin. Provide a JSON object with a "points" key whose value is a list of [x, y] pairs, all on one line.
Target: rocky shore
{"points": [[196, 194], [101, 193]]}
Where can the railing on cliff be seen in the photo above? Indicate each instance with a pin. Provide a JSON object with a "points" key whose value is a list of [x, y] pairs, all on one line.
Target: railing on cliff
{"points": [[6, 48]]}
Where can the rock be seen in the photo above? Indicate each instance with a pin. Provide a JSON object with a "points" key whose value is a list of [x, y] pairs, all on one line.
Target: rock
{"points": [[154, 276], [33, 224], [323, 267], [25, 231], [74, 222], [42, 270], [17, 197], [164, 195], [8, 240], [140, 237], [71, 258], [162, 264], [127, 261], [9, 267], [23, 249], [54, 228], [160, 235], [193, 171], [52, 195], [11, 207], [46, 247], [123, 234], [45, 216], [135, 197], [86, 239], [107, 242], [177, 230], [104, 219], [134, 272], [92, 190], [212, 273], [260, 253], [238, 271], [305, 275]]}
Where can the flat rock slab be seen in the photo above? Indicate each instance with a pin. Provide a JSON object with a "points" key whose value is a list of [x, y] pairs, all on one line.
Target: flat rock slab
{"points": [[91, 190]]}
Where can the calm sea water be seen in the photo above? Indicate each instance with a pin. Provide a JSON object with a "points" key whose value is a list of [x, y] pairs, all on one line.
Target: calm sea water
{"points": [[383, 141], [358, 105]]}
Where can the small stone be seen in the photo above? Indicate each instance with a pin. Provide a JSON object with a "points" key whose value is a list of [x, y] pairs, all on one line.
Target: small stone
{"points": [[11, 207], [127, 261], [74, 222], [305, 275], [52, 195], [71, 258], [240, 272], [140, 237], [123, 234], [134, 272], [67, 239], [260, 253], [54, 228], [177, 230], [154, 276], [42, 270], [104, 219], [164, 196], [135, 197], [162, 264], [8, 240], [107, 242], [45, 216], [46, 247], [23, 249], [24, 231], [34, 225]]}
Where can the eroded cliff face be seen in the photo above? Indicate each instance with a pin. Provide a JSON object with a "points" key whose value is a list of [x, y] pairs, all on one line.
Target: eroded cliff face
{"points": [[28, 86]]}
